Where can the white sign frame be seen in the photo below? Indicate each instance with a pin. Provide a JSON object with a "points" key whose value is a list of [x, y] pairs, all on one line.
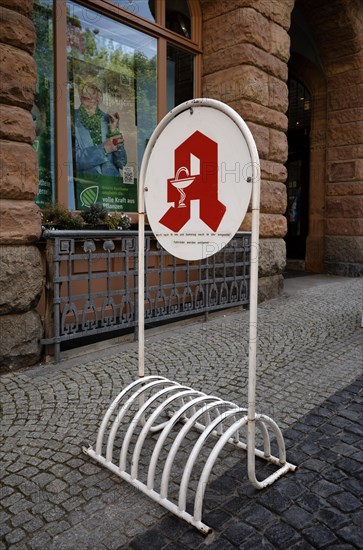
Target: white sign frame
{"points": [[199, 183]]}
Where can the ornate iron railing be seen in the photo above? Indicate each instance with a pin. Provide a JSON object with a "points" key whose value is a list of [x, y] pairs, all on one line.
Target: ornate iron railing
{"points": [[92, 283]]}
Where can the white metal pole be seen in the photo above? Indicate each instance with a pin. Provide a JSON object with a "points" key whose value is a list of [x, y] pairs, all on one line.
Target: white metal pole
{"points": [[251, 425], [141, 281], [141, 243]]}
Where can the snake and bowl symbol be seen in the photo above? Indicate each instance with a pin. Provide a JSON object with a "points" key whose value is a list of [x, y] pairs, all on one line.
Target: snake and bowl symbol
{"points": [[181, 183]]}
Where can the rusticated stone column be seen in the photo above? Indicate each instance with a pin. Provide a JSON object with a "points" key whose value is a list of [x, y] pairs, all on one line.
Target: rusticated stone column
{"points": [[341, 47], [246, 48], [21, 274]]}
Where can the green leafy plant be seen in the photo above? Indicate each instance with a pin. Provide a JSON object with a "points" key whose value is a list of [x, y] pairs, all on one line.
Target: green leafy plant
{"points": [[95, 215], [118, 220], [56, 216]]}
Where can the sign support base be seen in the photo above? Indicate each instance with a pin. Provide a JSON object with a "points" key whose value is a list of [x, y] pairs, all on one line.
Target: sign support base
{"points": [[154, 404], [186, 409]]}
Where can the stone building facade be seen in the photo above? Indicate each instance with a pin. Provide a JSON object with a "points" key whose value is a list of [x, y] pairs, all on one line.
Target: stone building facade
{"points": [[251, 48], [21, 269]]}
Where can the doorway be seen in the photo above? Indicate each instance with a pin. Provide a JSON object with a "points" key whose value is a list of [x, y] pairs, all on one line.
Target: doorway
{"points": [[298, 169]]}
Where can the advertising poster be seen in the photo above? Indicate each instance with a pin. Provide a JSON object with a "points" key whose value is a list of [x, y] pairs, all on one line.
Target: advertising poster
{"points": [[104, 136], [42, 142]]}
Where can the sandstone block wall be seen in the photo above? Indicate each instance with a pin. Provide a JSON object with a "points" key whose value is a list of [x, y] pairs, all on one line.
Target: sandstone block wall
{"points": [[246, 48], [341, 47], [344, 201], [21, 273]]}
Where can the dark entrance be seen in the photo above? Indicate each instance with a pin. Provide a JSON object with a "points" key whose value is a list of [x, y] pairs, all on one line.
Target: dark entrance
{"points": [[297, 165]]}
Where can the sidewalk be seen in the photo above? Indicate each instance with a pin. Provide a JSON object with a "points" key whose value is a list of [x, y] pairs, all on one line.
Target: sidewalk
{"points": [[308, 379], [320, 506]]}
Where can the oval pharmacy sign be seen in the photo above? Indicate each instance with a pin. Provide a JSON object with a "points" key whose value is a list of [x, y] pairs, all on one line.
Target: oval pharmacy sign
{"points": [[198, 182]]}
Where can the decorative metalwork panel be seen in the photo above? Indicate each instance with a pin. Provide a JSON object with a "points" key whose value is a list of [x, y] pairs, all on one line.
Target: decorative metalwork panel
{"points": [[94, 280]]}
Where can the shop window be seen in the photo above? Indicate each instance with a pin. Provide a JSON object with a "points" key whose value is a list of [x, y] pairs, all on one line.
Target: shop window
{"points": [[298, 166], [178, 17], [107, 73], [112, 109], [179, 76], [299, 112], [142, 8], [43, 109]]}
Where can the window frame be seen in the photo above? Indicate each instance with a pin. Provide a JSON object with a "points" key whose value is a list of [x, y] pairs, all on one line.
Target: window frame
{"points": [[156, 29]]}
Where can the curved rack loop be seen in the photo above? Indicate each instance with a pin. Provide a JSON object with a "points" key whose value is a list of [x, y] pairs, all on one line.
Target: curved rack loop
{"points": [[187, 409], [126, 407], [112, 407]]}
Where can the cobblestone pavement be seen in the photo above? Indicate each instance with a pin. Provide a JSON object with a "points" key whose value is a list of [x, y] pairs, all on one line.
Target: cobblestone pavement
{"points": [[309, 378]]}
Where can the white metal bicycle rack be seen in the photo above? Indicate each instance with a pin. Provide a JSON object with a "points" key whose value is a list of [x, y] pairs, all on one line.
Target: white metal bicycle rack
{"points": [[155, 405]]}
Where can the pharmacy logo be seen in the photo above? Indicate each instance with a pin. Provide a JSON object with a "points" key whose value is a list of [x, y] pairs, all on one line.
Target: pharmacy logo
{"points": [[195, 178]]}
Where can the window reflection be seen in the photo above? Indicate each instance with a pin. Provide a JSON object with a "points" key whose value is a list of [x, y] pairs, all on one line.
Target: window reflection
{"points": [[112, 108], [180, 76], [43, 109], [178, 17], [142, 8]]}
